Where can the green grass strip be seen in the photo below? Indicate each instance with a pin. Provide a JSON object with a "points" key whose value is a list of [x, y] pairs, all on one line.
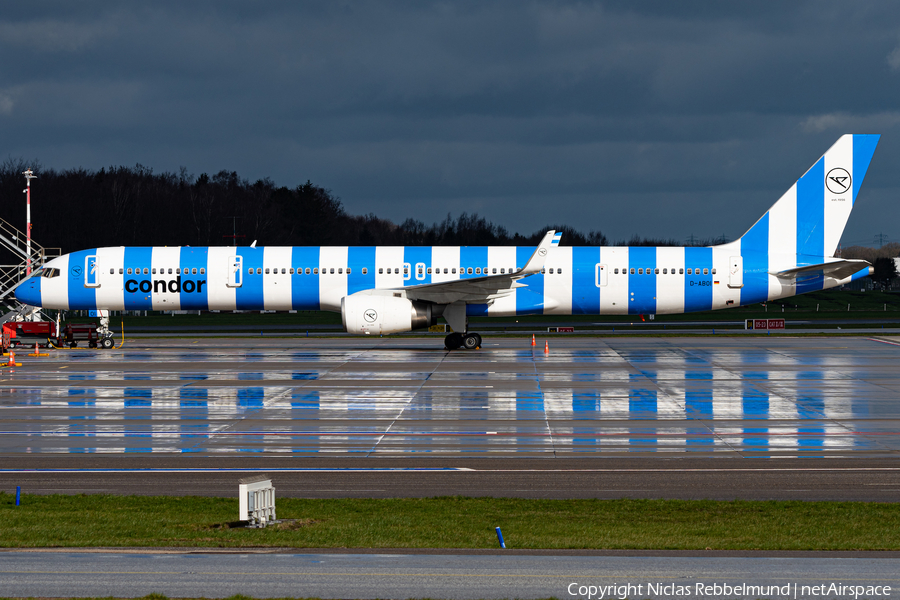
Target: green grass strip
{"points": [[451, 522]]}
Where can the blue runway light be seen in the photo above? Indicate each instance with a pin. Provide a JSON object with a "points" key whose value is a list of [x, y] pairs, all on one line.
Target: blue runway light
{"points": [[19, 499], [500, 538]]}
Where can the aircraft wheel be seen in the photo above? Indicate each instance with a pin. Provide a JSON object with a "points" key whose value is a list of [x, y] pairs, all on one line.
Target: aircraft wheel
{"points": [[453, 341], [73, 344], [106, 343], [471, 341], [92, 344]]}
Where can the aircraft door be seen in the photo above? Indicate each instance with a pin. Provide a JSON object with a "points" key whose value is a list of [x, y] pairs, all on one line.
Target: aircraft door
{"points": [[736, 272], [600, 275], [91, 271], [235, 271]]}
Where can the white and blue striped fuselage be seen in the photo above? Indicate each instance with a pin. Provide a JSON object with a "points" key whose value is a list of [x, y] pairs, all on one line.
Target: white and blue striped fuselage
{"points": [[789, 250], [574, 280]]}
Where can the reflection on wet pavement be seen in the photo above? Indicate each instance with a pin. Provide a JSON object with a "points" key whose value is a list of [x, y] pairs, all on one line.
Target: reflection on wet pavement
{"points": [[813, 397]]}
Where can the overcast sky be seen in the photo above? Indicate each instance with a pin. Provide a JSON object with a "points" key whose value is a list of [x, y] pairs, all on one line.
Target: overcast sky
{"points": [[651, 118]]}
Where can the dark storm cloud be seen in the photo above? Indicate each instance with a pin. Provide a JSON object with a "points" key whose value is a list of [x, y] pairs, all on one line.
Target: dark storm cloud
{"points": [[657, 118]]}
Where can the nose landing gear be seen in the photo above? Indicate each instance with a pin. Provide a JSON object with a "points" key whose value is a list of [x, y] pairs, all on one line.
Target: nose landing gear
{"points": [[469, 341]]}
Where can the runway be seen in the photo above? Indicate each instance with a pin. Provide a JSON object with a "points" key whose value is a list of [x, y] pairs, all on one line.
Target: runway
{"points": [[450, 576]]}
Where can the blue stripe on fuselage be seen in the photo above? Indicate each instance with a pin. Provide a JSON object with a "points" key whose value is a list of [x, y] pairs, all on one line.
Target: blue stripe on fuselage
{"points": [[641, 287], [530, 300], [81, 297], [473, 257], [755, 251], [139, 259], [698, 286], [250, 295], [305, 288], [363, 257], [194, 286], [585, 293]]}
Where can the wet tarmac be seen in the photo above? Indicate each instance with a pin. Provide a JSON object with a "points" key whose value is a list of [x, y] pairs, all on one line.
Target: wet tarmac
{"points": [[590, 396]]}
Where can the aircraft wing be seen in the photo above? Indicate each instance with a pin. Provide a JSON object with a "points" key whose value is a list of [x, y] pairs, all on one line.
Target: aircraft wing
{"points": [[838, 269], [477, 290]]}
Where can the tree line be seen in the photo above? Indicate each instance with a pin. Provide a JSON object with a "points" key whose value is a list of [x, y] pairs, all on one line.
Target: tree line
{"points": [[80, 208]]}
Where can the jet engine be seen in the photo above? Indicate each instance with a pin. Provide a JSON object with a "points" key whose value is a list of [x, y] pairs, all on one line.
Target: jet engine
{"points": [[366, 314]]}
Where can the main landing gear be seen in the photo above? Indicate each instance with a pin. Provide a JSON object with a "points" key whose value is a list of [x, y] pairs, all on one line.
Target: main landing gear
{"points": [[469, 341]]}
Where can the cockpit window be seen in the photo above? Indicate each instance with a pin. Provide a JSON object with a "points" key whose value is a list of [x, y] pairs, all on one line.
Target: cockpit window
{"points": [[48, 273]]}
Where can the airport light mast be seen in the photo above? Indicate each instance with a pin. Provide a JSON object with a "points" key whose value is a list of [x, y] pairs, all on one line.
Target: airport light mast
{"points": [[29, 175]]}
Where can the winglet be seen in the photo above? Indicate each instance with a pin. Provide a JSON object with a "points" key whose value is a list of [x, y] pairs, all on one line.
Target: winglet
{"points": [[536, 262]]}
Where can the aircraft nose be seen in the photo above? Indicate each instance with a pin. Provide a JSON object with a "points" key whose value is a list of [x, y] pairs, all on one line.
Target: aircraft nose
{"points": [[29, 292]]}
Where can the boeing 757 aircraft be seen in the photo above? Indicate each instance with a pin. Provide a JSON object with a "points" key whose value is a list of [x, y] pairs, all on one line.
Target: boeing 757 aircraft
{"points": [[389, 289]]}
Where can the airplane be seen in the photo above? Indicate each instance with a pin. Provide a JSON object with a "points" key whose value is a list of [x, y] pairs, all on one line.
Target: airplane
{"points": [[391, 289]]}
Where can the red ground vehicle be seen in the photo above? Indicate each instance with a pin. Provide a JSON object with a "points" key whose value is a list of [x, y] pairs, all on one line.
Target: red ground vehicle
{"points": [[28, 333]]}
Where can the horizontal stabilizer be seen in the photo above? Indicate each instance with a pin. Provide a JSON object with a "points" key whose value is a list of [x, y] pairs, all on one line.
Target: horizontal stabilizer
{"points": [[838, 269]]}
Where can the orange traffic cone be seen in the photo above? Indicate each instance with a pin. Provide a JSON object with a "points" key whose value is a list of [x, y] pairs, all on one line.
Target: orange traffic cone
{"points": [[533, 343], [547, 347], [12, 359]]}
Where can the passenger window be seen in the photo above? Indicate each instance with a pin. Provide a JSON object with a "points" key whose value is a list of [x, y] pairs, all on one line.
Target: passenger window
{"points": [[267, 270], [316, 271], [559, 271], [640, 271], [706, 271], [365, 271], [445, 270], [193, 271], [341, 271], [665, 271], [656, 271], [616, 271], [681, 271], [632, 270], [153, 271], [551, 270], [381, 270], [690, 272], [469, 271], [348, 270], [146, 271], [543, 270], [292, 270], [713, 271], [121, 270], [307, 271], [129, 270], [331, 271], [203, 271], [454, 270], [406, 270], [420, 270], [429, 270], [170, 271], [112, 271], [502, 271]]}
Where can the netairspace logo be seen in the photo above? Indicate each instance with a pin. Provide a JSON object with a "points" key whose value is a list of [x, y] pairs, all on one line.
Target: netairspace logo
{"points": [[793, 591]]}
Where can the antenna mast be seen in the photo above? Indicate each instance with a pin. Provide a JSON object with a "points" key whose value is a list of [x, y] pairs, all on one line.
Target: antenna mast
{"points": [[29, 175]]}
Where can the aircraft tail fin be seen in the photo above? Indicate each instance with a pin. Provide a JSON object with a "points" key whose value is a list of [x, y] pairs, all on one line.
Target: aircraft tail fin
{"points": [[808, 220]]}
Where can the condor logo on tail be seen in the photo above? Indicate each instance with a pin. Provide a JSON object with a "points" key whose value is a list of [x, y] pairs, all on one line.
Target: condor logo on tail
{"points": [[161, 286]]}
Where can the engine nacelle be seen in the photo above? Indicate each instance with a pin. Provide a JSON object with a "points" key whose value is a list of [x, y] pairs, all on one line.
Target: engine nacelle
{"points": [[365, 314]]}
